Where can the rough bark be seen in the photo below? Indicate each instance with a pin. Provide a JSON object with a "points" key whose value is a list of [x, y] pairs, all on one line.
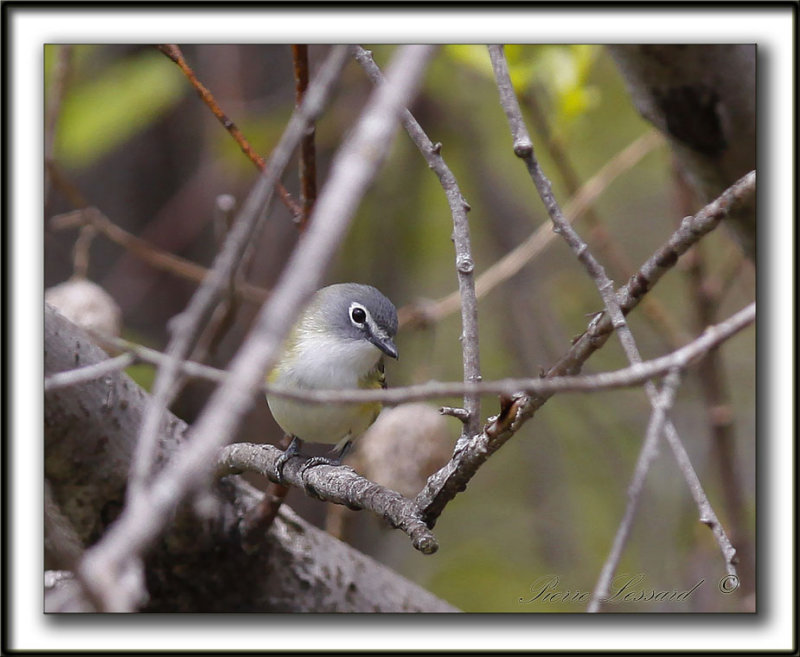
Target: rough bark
{"points": [[200, 564], [703, 98]]}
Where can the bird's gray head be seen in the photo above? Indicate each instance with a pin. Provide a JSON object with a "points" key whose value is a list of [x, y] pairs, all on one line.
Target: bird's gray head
{"points": [[359, 312]]}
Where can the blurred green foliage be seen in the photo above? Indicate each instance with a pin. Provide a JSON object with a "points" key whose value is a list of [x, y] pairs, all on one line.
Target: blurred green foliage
{"points": [[561, 71], [102, 112]]}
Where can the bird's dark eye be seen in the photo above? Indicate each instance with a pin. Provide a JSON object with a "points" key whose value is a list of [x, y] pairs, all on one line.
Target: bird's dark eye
{"points": [[359, 315]]}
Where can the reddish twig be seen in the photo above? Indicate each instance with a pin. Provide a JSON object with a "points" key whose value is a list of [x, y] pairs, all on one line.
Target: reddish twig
{"points": [[173, 52], [308, 153]]}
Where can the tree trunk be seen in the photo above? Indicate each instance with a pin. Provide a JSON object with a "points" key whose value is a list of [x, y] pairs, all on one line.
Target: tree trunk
{"points": [[703, 98]]}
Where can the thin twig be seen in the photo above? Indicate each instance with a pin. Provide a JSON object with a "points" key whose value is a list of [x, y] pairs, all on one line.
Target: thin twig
{"points": [[521, 255], [654, 311], [646, 457], [355, 165], [523, 148], [81, 251], [718, 406], [173, 52], [187, 326], [308, 153], [453, 478], [465, 265], [224, 315], [142, 249], [706, 514], [680, 359], [88, 373]]}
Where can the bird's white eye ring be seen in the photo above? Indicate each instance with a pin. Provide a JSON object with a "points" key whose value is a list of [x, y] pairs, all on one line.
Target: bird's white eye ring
{"points": [[358, 314]]}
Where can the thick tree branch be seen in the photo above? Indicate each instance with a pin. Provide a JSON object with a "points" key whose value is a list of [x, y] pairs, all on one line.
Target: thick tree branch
{"points": [[89, 436], [335, 484]]}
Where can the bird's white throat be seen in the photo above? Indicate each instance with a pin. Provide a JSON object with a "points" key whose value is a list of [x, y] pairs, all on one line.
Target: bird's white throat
{"points": [[323, 362]]}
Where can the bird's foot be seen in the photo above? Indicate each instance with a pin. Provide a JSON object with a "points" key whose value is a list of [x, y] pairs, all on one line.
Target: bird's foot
{"points": [[292, 450], [315, 461]]}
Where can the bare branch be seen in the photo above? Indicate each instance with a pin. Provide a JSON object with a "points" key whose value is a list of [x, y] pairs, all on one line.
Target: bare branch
{"points": [[187, 326], [88, 373], [680, 359], [357, 162], [523, 148], [691, 231], [308, 153], [706, 514], [705, 294], [518, 257], [444, 485], [336, 484], [142, 249], [174, 53], [646, 456], [464, 263], [660, 320]]}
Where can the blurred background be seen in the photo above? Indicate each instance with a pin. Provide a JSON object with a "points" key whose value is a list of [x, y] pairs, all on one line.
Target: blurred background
{"points": [[127, 134]]}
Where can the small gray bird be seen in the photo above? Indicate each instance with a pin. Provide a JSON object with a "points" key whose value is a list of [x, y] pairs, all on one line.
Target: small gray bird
{"points": [[338, 342]]}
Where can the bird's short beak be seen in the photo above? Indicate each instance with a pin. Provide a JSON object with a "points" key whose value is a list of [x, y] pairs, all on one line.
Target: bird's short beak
{"points": [[385, 344]]}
